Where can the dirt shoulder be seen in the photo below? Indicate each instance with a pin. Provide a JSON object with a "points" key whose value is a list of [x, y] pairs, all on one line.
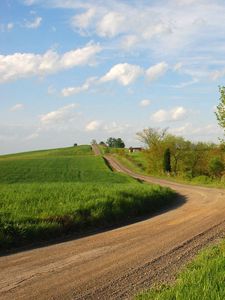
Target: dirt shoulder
{"points": [[118, 263]]}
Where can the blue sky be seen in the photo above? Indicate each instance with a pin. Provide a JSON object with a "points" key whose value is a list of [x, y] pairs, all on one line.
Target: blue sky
{"points": [[72, 71]]}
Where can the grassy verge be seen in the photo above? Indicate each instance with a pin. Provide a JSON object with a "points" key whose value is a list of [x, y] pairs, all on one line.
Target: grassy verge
{"points": [[49, 194], [137, 163], [202, 279]]}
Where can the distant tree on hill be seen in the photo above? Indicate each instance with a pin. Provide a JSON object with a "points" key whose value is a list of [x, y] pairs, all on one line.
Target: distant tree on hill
{"points": [[102, 143], [75, 144], [220, 113], [93, 142], [167, 161], [115, 142]]}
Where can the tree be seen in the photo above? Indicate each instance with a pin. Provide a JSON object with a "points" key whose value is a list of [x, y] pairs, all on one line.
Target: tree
{"points": [[216, 167], [154, 139], [166, 161], [151, 136], [196, 158], [93, 142], [102, 143], [115, 142], [220, 113]]}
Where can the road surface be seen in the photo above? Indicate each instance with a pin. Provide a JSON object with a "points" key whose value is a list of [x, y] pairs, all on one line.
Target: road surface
{"points": [[116, 264], [96, 149]]}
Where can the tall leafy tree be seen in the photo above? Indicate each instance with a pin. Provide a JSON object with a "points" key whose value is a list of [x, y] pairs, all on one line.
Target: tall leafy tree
{"points": [[115, 142], [167, 161]]}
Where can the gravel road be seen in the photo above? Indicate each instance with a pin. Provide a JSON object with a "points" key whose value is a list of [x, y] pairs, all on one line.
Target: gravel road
{"points": [[115, 264]]}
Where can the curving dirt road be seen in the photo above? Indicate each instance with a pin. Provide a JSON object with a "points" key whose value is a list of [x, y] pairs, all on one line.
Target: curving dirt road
{"points": [[118, 263]]}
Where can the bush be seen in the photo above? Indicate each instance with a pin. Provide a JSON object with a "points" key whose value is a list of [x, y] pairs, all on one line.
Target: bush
{"points": [[216, 167], [202, 179]]}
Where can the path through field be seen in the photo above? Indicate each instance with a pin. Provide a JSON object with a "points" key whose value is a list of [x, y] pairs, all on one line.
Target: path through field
{"points": [[116, 264]]}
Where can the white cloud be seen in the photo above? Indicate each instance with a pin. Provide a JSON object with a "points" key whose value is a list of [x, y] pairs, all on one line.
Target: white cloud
{"points": [[111, 24], [30, 2], [145, 102], [192, 67], [172, 25], [21, 65], [17, 107], [178, 66], [156, 30], [129, 41], [156, 71], [217, 74], [83, 20], [10, 26], [6, 27], [206, 132], [175, 114], [78, 89], [115, 127], [185, 84], [34, 24], [93, 125], [108, 128], [63, 114], [124, 73]]}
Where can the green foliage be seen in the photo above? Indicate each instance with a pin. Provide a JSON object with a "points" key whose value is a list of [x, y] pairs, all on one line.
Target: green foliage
{"points": [[216, 167], [190, 167], [115, 142], [187, 159], [152, 137], [220, 113], [45, 194], [166, 161], [202, 179], [202, 279]]}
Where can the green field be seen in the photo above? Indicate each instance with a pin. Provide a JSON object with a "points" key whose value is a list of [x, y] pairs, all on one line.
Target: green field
{"points": [[46, 194], [202, 279]]}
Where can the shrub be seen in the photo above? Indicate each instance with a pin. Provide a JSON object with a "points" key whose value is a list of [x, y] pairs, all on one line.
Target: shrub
{"points": [[216, 167]]}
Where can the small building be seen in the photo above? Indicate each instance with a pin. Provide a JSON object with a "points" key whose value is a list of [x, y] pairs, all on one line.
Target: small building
{"points": [[135, 149]]}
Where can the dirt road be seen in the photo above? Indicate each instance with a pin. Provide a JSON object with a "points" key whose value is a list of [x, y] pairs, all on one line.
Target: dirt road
{"points": [[96, 149], [118, 263]]}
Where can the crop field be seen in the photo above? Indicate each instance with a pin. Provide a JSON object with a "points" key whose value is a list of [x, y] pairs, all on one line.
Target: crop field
{"points": [[46, 194], [202, 279]]}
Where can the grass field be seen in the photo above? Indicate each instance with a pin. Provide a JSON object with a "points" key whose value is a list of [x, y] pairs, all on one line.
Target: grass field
{"points": [[45, 194], [202, 279]]}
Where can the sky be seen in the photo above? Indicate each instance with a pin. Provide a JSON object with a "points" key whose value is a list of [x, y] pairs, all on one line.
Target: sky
{"points": [[72, 71]]}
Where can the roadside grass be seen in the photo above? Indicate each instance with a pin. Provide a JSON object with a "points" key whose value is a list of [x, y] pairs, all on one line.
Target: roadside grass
{"points": [[45, 195], [202, 279], [137, 162]]}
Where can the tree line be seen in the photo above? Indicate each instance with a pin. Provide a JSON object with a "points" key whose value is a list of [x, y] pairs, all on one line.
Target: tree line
{"points": [[175, 155]]}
